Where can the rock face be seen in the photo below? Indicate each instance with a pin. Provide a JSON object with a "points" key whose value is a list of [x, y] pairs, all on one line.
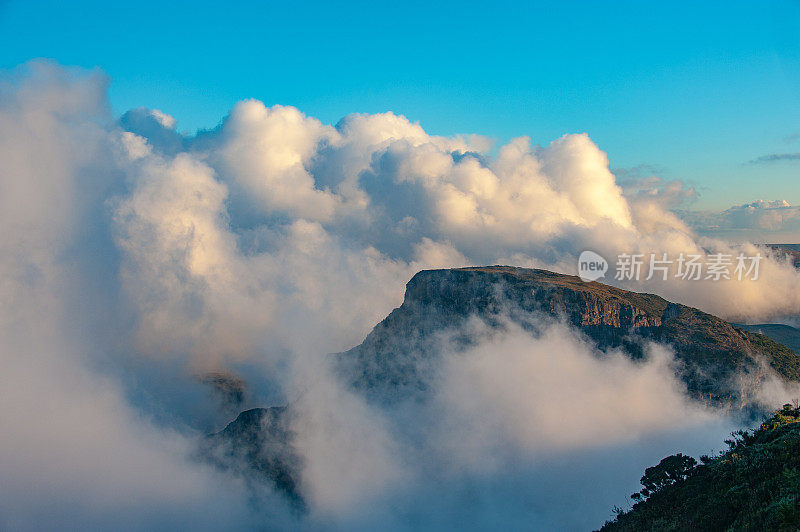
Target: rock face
{"points": [[720, 361]]}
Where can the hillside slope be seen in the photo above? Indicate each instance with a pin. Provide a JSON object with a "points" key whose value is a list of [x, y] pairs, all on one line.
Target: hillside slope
{"points": [[783, 334], [755, 485]]}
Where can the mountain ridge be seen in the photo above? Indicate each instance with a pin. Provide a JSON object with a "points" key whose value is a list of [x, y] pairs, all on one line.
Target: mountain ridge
{"points": [[711, 349]]}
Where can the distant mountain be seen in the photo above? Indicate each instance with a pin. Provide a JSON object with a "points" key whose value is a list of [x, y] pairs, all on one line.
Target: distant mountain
{"points": [[784, 334], [755, 485], [791, 250], [721, 364]]}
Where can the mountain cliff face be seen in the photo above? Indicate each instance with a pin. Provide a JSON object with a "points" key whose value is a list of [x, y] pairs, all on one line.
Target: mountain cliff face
{"points": [[721, 363]]}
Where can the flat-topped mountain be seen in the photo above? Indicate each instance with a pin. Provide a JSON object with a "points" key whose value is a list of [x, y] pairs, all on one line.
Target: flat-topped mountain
{"points": [[721, 362]]}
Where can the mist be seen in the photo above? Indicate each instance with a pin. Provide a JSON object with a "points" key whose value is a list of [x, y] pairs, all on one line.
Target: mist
{"points": [[518, 430]]}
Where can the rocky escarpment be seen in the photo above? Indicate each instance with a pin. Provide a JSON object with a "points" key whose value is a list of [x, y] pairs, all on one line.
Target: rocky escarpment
{"points": [[721, 363]]}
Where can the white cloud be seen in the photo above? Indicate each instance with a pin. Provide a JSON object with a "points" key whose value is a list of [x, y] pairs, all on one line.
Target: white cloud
{"points": [[759, 221], [73, 450], [517, 425], [506, 387], [776, 215]]}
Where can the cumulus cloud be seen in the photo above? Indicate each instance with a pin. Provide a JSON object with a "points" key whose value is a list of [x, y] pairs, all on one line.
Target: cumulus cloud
{"points": [[769, 215], [155, 125], [643, 184], [138, 260], [378, 186], [759, 221], [73, 449]]}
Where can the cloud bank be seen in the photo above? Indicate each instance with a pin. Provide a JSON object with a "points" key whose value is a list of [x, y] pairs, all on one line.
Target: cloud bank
{"points": [[514, 434], [759, 221], [776, 157], [137, 261]]}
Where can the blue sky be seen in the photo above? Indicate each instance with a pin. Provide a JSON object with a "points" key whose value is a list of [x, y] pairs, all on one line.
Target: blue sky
{"points": [[693, 91]]}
